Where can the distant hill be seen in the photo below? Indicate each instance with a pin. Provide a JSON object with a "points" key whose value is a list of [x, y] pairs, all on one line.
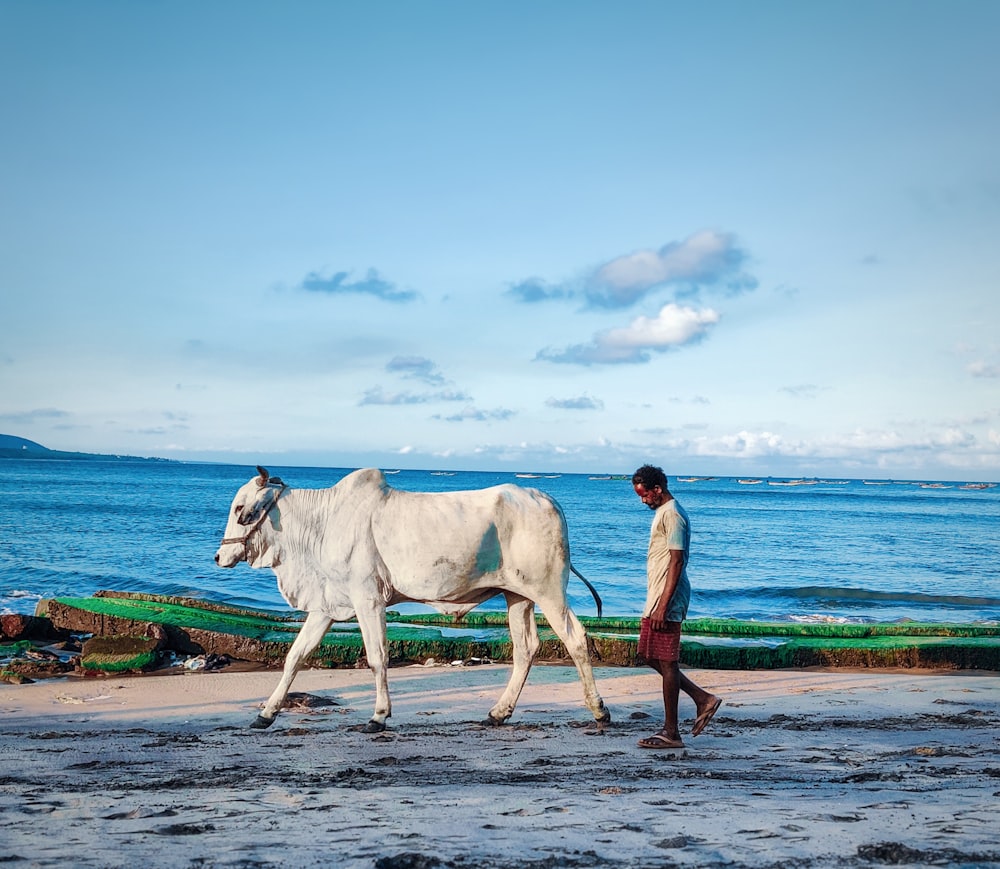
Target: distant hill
{"points": [[9, 442], [12, 447]]}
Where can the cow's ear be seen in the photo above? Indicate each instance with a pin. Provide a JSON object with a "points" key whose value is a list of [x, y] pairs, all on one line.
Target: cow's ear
{"points": [[264, 476]]}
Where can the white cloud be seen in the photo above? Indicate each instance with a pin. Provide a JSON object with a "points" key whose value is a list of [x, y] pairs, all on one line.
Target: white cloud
{"points": [[673, 327], [802, 390], [707, 258], [581, 402], [536, 290], [27, 417], [377, 395], [416, 368], [704, 258], [745, 444], [476, 414], [981, 368], [371, 285]]}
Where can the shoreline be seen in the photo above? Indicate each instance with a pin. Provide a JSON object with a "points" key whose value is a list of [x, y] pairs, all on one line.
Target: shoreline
{"points": [[811, 767]]}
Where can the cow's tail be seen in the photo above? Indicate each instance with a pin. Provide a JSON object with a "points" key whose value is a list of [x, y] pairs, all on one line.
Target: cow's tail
{"points": [[593, 591]]}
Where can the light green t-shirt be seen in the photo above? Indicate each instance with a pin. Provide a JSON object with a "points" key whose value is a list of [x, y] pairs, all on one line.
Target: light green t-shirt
{"points": [[670, 531]]}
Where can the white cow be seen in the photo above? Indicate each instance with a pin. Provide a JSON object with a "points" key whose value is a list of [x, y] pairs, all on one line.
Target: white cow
{"points": [[359, 546]]}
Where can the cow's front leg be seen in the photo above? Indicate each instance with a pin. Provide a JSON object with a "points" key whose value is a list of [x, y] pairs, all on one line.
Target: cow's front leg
{"points": [[310, 634], [371, 620], [524, 638]]}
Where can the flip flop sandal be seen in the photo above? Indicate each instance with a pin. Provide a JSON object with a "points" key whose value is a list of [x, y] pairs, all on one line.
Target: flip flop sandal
{"points": [[702, 720], [659, 741]]}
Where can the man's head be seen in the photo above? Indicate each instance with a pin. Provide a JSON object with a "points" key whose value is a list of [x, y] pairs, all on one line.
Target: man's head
{"points": [[650, 484]]}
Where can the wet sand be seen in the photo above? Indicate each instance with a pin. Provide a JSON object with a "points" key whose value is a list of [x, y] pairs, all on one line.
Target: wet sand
{"points": [[799, 768]]}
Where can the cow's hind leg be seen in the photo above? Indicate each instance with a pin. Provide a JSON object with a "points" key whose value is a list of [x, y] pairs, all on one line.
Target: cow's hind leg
{"points": [[310, 634], [524, 637], [568, 628]]}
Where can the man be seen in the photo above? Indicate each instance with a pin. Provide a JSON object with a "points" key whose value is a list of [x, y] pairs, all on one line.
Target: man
{"points": [[666, 607]]}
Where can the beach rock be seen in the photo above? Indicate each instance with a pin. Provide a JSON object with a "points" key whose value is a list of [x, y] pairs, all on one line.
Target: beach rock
{"points": [[408, 860], [891, 853], [158, 633], [298, 701], [24, 662], [673, 843], [119, 654], [17, 626]]}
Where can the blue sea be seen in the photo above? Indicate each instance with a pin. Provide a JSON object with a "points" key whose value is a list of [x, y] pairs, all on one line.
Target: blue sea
{"points": [[816, 550]]}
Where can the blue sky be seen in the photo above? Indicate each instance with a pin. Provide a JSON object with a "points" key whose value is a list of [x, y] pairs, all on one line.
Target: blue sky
{"points": [[729, 238]]}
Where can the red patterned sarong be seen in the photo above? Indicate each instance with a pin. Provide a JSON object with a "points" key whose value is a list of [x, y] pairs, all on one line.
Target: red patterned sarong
{"points": [[662, 645]]}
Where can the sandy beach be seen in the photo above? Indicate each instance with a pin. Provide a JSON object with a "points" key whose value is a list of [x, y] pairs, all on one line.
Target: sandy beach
{"points": [[799, 768]]}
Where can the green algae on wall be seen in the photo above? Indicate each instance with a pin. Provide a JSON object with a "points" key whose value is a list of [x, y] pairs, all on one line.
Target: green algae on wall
{"points": [[197, 627]]}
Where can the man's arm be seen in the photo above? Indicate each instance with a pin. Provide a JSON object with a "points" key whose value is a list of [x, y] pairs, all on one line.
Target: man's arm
{"points": [[673, 575]]}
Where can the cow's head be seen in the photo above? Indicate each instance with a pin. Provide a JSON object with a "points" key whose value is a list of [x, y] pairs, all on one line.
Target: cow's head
{"points": [[243, 540]]}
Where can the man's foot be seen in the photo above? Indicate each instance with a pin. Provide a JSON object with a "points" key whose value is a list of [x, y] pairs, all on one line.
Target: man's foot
{"points": [[660, 740], [705, 714]]}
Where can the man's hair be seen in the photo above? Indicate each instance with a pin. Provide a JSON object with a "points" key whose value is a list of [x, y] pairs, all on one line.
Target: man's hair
{"points": [[649, 477]]}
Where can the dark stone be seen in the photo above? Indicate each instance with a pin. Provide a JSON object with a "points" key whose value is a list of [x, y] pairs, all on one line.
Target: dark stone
{"points": [[17, 626], [408, 860], [23, 671], [891, 853]]}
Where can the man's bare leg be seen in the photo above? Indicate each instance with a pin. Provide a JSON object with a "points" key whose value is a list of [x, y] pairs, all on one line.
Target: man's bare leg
{"points": [[675, 681]]}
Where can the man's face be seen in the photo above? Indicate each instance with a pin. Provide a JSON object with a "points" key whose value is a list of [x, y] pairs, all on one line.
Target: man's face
{"points": [[652, 498]]}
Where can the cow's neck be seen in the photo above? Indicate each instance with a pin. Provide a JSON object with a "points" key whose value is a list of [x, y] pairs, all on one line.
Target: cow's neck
{"points": [[296, 530]]}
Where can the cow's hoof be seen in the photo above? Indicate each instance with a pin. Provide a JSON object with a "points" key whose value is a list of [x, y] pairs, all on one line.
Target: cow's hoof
{"points": [[604, 717], [490, 721], [261, 723], [373, 727]]}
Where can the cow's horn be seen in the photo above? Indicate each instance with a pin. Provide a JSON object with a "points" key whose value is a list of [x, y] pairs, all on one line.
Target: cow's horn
{"points": [[264, 476]]}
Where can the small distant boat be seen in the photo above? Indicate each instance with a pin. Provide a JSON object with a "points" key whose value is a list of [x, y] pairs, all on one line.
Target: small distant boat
{"points": [[607, 477], [442, 473], [935, 486], [792, 482], [552, 476], [528, 476], [749, 482], [978, 486], [696, 479], [390, 472]]}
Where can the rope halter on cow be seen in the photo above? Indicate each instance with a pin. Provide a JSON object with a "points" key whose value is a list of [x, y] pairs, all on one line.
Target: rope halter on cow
{"points": [[245, 539]]}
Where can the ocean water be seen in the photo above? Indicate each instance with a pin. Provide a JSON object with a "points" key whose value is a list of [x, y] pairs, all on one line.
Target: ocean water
{"points": [[837, 550]]}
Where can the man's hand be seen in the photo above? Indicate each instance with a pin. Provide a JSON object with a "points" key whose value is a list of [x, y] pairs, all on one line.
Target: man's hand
{"points": [[658, 617]]}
